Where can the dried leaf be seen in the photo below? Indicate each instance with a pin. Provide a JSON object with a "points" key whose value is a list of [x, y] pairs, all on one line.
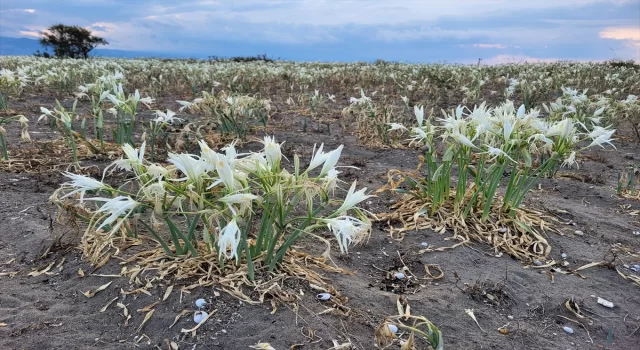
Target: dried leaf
{"points": [[148, 307], [92, 293], [37, 273], [179, 316], [167, 293], [104, 308], [146, 318], [199, 324]]}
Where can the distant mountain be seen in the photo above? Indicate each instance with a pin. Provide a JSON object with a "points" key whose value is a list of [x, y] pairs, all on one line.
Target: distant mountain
{"points": [[26, 47]]}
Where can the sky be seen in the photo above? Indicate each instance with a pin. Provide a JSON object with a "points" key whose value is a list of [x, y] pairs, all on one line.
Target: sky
{"points": [[460, 31]]}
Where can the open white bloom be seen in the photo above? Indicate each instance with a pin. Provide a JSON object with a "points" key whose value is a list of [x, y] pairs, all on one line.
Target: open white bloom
{"points": [[166, 118], [193, 167], [82, 184], [353, 198], [497, 152], [135, 157], [229, 239], [116, 207], [318, 157], [243, 199], [601, 136], [331, 160], [347, 229]]}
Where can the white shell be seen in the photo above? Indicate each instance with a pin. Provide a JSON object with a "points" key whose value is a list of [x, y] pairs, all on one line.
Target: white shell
{"points": [[424, 244], [502, 230], [323, 296], [393, 328], [568, 330], [538, 263], [199, 316], [200, 303], [564, 255], [605, 303], [579, 233], [399, 276]]}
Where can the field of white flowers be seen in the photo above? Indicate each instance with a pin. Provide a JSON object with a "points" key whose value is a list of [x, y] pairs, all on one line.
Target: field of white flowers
{"points": [[180, 204]]}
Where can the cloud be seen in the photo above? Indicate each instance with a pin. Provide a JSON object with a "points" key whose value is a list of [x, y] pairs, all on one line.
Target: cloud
{"points": [[503, 59], [621, 33], [29, 10], [30, 33], [490, 46], [192, 26]]}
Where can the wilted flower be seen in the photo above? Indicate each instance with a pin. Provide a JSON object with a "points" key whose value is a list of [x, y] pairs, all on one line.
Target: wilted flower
{"points": [[229, 239]]}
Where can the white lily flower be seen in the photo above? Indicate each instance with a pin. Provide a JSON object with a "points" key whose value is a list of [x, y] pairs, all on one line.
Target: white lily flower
{"points": [[318, 157], [331, 160], [229, 239], [347, 229], [191, 166], [272, 151], [353, 198], [116, 207], [243, 199], [167, 118], [601, 136], [497, 152], [82, 184]]}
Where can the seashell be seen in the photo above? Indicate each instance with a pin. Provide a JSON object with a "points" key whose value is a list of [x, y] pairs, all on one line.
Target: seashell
{"points": [[564, 255], [568, 330], [323, 296], [502, 229], [399, 276], [393, 328], [538, 263], [200, 303], [605, 303], [424, 244], [200, 316]]}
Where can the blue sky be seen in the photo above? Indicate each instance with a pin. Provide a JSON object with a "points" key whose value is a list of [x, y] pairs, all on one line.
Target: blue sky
{"points": [[462, 31]]}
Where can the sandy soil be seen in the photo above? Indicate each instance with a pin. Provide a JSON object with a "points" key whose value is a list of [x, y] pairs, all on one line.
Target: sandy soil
{"points": [[49, 311]]}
